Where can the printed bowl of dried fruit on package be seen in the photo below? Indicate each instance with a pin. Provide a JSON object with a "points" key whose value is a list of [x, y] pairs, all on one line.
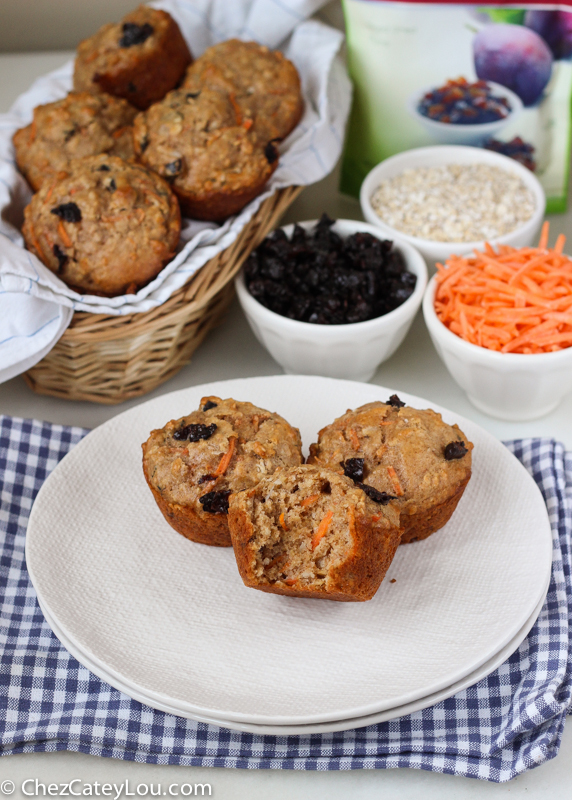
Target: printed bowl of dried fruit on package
{"points": [[501, 320], [331, 298], [449, 200]]}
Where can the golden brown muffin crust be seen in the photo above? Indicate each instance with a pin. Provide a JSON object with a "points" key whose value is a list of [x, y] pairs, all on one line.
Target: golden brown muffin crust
{"points": [[310, 532], [140, 58], [79, 125], [202, 144], [264, 83], [403, 452], [224, 447], [106, 228]]}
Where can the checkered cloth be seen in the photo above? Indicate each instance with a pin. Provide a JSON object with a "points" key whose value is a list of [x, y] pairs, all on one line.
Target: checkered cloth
{"points": [[508, 722]]}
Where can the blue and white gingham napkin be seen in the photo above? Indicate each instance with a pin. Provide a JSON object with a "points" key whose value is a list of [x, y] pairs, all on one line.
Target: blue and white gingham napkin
{"points": [[508, 722]]}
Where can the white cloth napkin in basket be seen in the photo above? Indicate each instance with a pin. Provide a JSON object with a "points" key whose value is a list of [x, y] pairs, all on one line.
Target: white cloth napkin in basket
{"points": [[35, 305]]}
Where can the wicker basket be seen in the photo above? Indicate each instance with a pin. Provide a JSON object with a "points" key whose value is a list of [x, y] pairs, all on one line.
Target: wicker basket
{"points": [[109, 359]]}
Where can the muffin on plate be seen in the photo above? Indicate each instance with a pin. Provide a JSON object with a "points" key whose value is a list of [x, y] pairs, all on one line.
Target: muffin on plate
{"points": [[310, 532], [193, 464], [410, 454], [79, 125], [140, 58], [265, 84], [203, 145], [106, 228]]}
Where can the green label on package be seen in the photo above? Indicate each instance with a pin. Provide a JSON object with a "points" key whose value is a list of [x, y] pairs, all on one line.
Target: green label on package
{"points": [[486, 76]]}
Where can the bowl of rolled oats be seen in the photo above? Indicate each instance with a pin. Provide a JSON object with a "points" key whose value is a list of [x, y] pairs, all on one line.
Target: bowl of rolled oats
{"points": [[449, 200]]}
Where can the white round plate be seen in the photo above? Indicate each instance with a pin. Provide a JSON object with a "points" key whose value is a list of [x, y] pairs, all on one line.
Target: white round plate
{"points": [[172, 620], [319, 727]]}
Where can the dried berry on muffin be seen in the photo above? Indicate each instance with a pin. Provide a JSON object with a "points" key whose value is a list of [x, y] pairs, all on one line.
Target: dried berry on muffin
{"points": [[403, 453], [193, 464], [140, 58], [107, 227], [311, 532], [79, 125], [202, 144]]}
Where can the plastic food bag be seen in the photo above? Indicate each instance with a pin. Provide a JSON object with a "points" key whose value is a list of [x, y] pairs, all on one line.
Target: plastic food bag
{"points": [[487, 76]]}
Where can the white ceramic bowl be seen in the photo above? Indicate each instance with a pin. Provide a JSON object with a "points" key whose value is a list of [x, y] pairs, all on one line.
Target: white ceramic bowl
{"points": [[350, 351], [509, 386], [440, 155], [450, 133]]}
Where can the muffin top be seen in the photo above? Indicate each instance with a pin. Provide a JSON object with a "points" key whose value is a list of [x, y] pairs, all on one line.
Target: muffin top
{"points": [[224, 447], [201, 143], [409, 454], [79, 125], [141, 57], [264, 83], [105, 228]]}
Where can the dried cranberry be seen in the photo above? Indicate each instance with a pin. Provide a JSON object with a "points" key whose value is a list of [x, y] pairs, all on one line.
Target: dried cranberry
{"points": [[271, 153], [455, 450], [194, 432], [208, 405], [395, 402], [378, 497], [206, 479], [111, 186], [61, 256], [144, 144], [103, 168], [135, 34], [353, 468], [215, 502], [174, 168], [69, 212]]}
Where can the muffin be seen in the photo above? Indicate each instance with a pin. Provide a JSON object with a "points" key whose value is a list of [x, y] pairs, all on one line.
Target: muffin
{"points": [[202, 144], [79, 125], [411, 455], [265, 84], [140, 58], [106, 228], [193, 464], [311, 532]]}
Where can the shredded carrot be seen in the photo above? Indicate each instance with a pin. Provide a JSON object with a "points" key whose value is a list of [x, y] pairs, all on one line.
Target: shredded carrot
{"points": [[290, 581], [64, 234], [321, 530], [236, 108], [352, 521], [120, 131], [307, 501], [397, 488], [225, 460], [34, 239], [354, 437], [282, 522], [512, 300]]}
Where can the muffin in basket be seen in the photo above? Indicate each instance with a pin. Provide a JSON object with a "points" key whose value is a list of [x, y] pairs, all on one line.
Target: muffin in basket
{"points": [[193, 464], [265, 84], [140, 58], [411, 455], [79, 125], [202, 144], [311, 532], [106, 228]]}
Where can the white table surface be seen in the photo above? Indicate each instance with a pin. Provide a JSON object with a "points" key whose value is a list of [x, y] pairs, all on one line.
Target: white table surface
{"points": [[231, 351]]}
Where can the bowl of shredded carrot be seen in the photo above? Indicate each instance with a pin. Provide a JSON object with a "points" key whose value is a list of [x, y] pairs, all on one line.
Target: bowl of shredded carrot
{"points": [[501, 320]]}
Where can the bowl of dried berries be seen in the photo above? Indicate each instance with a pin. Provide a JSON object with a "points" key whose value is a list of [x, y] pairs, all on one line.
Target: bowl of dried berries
{"points": [[449, 200], [331, 298], [460, 112]]}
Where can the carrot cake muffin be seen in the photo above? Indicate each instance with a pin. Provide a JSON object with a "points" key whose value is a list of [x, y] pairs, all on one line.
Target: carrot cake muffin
{"points": [[105, 228], [140, 58], [79, 125], [409, 454], [193, 464], [311, 532], [265, 84], [202, 144]]}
